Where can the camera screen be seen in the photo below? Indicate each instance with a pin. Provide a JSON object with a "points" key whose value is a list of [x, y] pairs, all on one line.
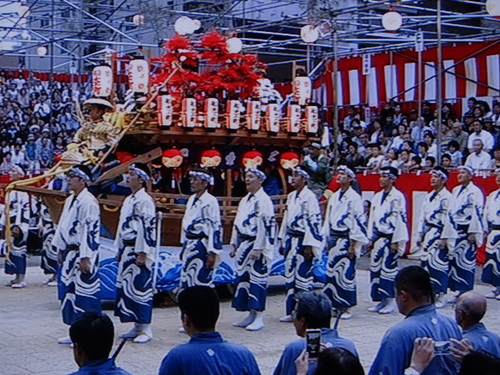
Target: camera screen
{"points": [[313, 338]]}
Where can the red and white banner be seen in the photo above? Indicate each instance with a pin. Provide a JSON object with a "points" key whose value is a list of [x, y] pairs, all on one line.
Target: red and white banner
{"points": [[468, 70]]}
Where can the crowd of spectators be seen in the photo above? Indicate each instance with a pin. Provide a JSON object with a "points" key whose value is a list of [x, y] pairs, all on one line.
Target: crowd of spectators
{"points": [[37, 121], [409, 142]]}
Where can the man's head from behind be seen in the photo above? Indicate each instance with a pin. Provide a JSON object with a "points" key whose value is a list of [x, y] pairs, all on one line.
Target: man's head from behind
{"points": [[199, 309], [413, 289], [92, 335], [470, 309], [313, 311]]}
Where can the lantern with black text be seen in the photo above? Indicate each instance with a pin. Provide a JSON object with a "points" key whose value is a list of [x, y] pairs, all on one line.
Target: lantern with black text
{"points": [[273, 114], [138, 75], [172, 158], [289, 160], [253, 115], [233, 114], [211, 158], [165, 109], [252, 159], [102, 81], [293, 118], [302, 90], [188, 113], [212, 113], [312, 118]]}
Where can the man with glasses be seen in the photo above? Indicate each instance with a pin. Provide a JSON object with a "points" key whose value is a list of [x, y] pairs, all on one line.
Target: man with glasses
{"points": [[77, 241]]}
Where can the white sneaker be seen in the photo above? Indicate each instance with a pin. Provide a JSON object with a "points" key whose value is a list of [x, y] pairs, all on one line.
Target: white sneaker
{"points": [[245, 322], [286, 319], [491, 295], [130, 334], [389, 309], [65, 341], [10, 283], [257, 324], [20, 285], [377, 307], [346, 315]]}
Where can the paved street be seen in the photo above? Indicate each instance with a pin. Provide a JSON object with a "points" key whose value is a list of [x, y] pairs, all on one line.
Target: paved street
{"points": [[30, 324]]}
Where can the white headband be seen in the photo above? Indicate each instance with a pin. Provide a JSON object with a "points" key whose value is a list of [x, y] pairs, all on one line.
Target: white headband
{"points": [[467, 168], [201, 175], [389, 174], [347, 171], [497, 171], [257, 172], [439, 173], [139, 172], [302, 172], [80, 174]]}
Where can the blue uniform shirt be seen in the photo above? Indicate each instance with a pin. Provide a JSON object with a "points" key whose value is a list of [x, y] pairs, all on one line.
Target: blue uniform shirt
{"points": [[329, 337], [482, 339], [394, 354], [101, 367], [208, 353]]}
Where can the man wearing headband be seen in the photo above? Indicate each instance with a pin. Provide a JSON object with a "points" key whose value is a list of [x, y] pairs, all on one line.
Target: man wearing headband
{"points": [[436, 234], [316, 163], [467, 216], [201, 233], [345, 233], [253, 243], [300, 231], [136, 244], [77, 242], [388, 231], [491, 270], [19, 213]]}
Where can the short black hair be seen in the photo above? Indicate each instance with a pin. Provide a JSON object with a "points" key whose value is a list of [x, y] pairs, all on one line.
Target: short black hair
{"points": [[338, 361], [94, 334], [315, 308], [201, 305], [416, 281], [424, 145], [454, 144]]}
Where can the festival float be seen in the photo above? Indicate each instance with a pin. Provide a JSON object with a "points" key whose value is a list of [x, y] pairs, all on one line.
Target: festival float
{"points": [[202, 102]]}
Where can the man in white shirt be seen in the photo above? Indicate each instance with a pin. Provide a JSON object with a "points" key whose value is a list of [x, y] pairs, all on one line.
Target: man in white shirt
{"points": [[479, 159], [483, 135]]}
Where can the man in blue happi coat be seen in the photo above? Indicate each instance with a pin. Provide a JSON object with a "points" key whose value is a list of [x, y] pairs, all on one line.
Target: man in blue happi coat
{"points": [[415, 297], [206, 352]]}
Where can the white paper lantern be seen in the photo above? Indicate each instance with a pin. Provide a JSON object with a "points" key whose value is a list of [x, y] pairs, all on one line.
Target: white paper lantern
{"points": [[138, 75], [234, 45], [273, 114], [233, 114], [309, 33], [212, 113], [185, 25], [312, 118], [392, 21], [102, 81], [293, 118], [138, 19], [493, 7], [41, 51], [188, 112], [302, 90], [253, 115], [165, 109]]}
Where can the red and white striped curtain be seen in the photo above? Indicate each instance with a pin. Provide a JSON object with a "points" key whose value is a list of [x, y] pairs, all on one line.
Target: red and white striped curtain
{"points": [[469, 70]]}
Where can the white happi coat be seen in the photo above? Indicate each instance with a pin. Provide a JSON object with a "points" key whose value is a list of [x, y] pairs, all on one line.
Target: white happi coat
{"points": [[468, 210]]}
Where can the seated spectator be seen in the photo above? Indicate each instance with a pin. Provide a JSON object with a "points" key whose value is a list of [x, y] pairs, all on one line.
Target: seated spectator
{"points": [[495, 162], [397, 142], [478, 159], [415, 164], [7, 164], [18, 156], [459, 135], [206, 352], [376, 157], [335, 361], [375, 131], [404, 160], [398, 116], [469, 114], [390, 159], [469, 310], [353, 159], [422, 150], [431, 145], [415, 297], [92, 336], [495, 115], [455, 153], [313, 311], [429, 163], [446, 161], [483, 135]]}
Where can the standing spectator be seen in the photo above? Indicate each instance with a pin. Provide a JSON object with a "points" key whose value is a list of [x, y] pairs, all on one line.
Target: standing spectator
{"points": [[32, 154], [483, 135], [253, 243], [388, 231], [18, 156], [46, 154], [478, 159], [495, 116], [467, 216], [317, 165]]}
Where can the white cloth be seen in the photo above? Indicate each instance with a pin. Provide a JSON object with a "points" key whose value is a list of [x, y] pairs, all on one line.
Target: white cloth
{"points": [[481, 161], [437, 212], [484, 136], [468, 209]]}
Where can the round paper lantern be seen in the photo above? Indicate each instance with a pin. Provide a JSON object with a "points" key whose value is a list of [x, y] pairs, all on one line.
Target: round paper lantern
{"points": [[309, 33], [234, 45], [102, 81], [289, 160], [172, 158], [41, 51], [493, 7], [252, 159], [392, 20], [138, 75], [138, 19], [185, 25], [211, 158]]}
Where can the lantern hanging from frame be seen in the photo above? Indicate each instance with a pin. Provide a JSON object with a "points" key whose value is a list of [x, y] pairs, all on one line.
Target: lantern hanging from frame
{"points": [[188, 112], [212, 113], [233, 114], [293, 117], [138, 75], [253, 114], [102, 81], [165, 109], [312, 118], [273, 114], [302, 90]]}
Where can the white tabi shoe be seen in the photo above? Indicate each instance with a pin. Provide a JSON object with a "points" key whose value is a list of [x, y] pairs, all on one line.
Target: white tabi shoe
{"points": [[65, 341], [377, 307], [247, 321], [389, 309], [145, 336], [347, 314], [286, 319], [134, 332], [491, 295], [182, 330], [20, 285], [257, 324], [453, 299]]}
